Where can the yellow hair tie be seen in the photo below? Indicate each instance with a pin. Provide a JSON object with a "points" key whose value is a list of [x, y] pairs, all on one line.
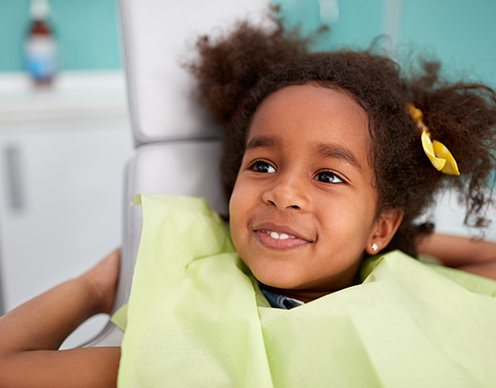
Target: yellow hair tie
{"points": [[437, 152]]}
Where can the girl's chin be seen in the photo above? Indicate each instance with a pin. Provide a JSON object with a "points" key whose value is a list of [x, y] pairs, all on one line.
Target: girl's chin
{"points": [[279, 280]]}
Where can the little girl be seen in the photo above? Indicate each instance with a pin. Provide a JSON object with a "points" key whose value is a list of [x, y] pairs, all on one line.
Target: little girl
{"points": [[329, 159]]}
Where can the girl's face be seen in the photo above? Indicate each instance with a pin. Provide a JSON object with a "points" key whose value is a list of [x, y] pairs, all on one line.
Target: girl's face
{"points": [[303, 209]]}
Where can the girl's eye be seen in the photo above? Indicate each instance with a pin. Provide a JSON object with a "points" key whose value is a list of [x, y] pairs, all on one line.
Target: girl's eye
{"points": [[262, 167], [328, 177]]}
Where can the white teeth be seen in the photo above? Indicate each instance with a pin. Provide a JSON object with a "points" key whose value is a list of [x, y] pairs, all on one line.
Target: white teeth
{"points": [[277, 236]]}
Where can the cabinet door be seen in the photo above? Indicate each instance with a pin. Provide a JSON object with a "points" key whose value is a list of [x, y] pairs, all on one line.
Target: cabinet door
{"points": [[60, 203]]}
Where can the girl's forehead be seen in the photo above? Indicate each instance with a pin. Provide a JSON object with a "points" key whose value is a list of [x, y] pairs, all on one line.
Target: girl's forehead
{"points": [[311, 110]]}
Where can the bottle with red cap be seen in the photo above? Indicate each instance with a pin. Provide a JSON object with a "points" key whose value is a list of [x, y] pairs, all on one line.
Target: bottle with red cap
{"points": [[41, 46]]}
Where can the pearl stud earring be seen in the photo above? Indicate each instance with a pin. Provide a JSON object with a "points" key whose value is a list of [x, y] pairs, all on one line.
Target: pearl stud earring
{"points": [[374, 247]]}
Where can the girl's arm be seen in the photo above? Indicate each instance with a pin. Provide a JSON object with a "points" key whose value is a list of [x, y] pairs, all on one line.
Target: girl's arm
{"points": [[471, 255], [31, 334]]}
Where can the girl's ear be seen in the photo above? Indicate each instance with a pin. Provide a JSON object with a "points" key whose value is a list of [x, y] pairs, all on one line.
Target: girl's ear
{"points": [[385, 227]]}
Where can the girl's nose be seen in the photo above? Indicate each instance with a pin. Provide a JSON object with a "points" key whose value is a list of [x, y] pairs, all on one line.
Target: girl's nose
{"points": [[286, 193]]}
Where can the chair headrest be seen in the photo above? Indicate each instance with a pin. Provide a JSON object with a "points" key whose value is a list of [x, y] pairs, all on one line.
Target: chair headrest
{"points": [[158, 38]]}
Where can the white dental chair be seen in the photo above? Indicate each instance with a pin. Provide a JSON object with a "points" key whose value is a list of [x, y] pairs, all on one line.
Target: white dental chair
{"points": [[177, 146]]}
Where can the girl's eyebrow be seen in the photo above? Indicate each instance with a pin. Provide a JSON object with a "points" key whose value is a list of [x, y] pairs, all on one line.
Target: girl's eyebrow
{"points": [[335, 151], [262, 142]]}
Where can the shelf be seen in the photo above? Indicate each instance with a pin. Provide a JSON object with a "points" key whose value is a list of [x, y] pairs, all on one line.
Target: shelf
{"points": [[73, 95]]}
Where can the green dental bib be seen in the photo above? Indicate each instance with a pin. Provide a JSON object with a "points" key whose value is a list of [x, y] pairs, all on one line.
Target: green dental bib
{"points": [[196, 318]]}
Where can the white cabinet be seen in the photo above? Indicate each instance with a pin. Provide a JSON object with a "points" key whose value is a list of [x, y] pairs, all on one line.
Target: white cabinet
{"points": [[62, 159]]}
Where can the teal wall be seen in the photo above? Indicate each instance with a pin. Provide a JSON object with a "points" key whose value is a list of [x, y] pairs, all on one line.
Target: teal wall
{"points": [[461, 33], [87, 33], [359, 21], [457, 32]]}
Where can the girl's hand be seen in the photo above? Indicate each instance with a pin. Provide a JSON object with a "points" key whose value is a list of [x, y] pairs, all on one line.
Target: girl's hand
{"points": [[101, 281], [31, 333]]}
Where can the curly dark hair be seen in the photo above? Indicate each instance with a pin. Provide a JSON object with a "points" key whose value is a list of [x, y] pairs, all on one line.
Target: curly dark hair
{"points": [[236, 72]]}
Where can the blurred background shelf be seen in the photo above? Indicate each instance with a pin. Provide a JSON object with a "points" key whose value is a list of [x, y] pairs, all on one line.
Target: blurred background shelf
{"points": [[73, 95]]}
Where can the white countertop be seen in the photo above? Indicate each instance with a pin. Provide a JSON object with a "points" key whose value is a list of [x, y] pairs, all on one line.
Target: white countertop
{"points": [[72, 95]]}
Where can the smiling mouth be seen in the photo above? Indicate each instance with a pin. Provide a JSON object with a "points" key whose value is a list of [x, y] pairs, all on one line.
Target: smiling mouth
{"points": [[279, 240]]}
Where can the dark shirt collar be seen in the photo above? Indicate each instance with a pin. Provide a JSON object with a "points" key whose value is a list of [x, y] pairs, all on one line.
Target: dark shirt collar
{"points": [[280, 301]]}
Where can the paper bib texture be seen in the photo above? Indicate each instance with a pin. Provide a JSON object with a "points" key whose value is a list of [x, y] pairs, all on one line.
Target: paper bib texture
{"points": [[196, 318]]}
